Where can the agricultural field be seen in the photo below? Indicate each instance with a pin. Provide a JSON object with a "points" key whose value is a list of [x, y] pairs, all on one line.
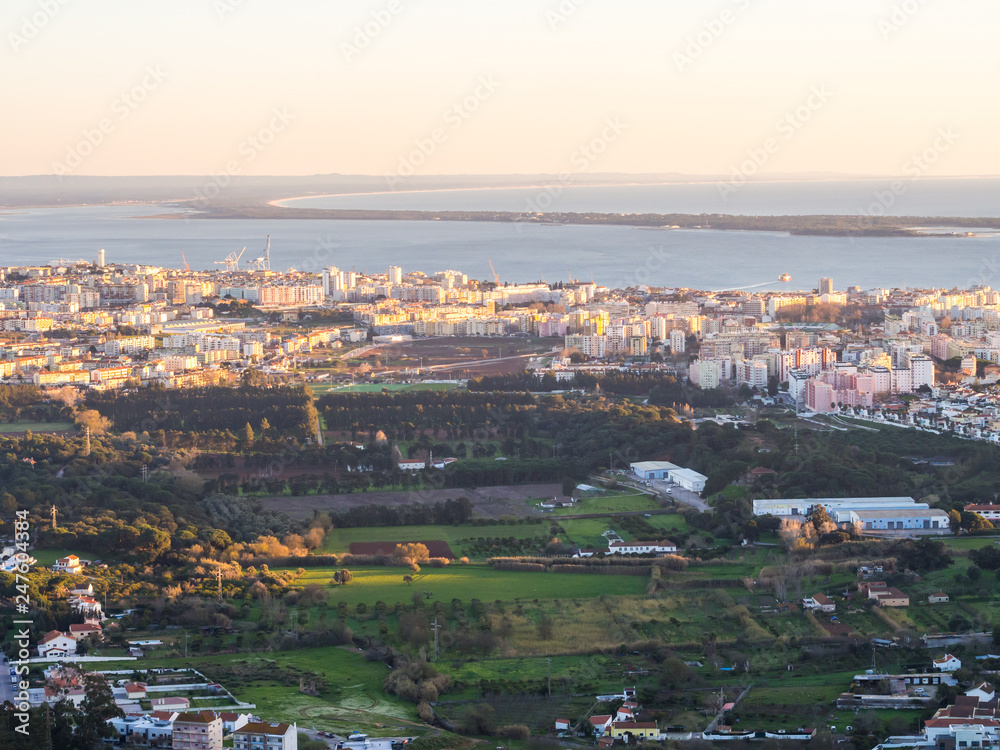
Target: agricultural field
{"points": [[467, 582]]}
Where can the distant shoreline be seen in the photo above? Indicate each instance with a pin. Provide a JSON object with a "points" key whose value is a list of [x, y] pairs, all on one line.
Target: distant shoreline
{"points": [[830, 225]]}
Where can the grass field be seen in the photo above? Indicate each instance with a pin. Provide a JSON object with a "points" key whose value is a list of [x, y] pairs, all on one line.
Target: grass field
{"points": [[352, 700], [46, 557], [7, 427], [467, 582]]}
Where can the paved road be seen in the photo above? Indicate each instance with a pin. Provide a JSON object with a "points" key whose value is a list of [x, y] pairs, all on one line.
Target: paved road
{"points": [[6, 688], [660, 488], [681, 495]]}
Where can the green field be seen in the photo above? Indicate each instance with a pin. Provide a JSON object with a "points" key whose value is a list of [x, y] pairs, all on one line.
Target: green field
{"points": [[467, 582], [8, 427], [46, 557]]}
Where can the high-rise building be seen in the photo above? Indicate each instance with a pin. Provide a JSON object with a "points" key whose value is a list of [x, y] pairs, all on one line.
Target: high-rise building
{"points": [[331, 280], [395, 275], [826, 286], [100, 258], [678, 342]]}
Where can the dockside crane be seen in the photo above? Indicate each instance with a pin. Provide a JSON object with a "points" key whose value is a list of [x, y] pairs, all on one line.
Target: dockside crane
{"points": [[187, 268], [232, 261]]}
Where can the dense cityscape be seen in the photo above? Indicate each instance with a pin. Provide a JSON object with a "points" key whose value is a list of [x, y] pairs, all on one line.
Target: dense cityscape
{"points": [[96, 357]]}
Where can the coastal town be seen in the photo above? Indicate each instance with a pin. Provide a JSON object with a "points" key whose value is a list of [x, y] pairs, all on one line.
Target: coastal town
{"points": [[916, 358], [820, 568]]}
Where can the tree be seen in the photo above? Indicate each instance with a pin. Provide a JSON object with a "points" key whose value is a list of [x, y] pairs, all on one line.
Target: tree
{"points": [[408, 580], [97, 708], [264, 426], [410, 554], [90, 418], [954, 520], [248, 436], [343, 577], [820, 520]]}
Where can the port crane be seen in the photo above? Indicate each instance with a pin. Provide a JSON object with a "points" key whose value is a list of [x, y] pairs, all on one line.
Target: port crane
{"points": [[496, 276], [263, 263], [232, 261], [187, 267]]}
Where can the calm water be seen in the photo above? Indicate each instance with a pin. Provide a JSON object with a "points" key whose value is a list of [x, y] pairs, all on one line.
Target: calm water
{"points": [[926, 197], [619, 256]]}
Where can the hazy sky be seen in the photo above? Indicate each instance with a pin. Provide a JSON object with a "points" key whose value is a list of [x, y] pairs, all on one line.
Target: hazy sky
{"points": [[544, 79]]}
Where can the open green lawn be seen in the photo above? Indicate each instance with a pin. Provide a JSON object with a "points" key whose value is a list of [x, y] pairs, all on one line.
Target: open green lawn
{"points": [[467, 582], [46, 557], [6, 427], [353, 698]]}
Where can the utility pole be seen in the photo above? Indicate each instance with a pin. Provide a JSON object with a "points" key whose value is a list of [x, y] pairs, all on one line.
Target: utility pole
{"points": [[145, 473], [86, 442], [53, 517], [437, 649], [186, 635], [549, 660], [295, 617], [219, 573]]}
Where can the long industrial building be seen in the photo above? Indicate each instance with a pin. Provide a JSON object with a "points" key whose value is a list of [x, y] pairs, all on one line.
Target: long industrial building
{"points": [[872, 513]]}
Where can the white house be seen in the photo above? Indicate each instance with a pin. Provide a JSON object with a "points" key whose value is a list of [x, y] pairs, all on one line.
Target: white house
{"points": [[175, 703], [143, 730], [10, 559], [948, 663], [259, 734], [412, 465], [601, 723], [663, 547], [70, 564], [984, 691], [55, 644], [820, 602]]}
